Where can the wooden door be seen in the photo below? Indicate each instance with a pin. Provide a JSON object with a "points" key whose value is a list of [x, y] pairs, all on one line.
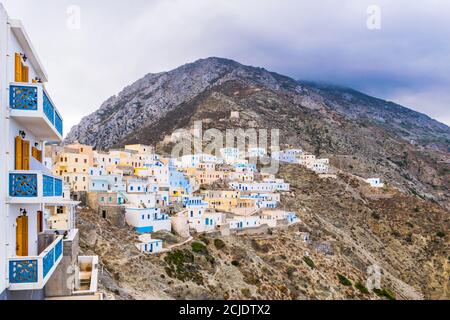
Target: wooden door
{"points": [[18, 68], [40, 227], [19, 149], [22, 236], [25, 155]]}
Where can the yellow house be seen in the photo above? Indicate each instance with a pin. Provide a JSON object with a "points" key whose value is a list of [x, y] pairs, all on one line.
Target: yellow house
{"points": [[73, 164], [223, 200], [85, 150], [139, 148], [208, 177], [141, 171]]}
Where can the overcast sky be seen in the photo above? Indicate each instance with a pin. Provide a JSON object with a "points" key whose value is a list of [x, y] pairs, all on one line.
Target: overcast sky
{"points": [[117, 42]]}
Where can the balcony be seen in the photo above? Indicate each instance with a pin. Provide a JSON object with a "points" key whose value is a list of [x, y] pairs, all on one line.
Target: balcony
{"points": [[32, 107], [34, 187], [32, 273], [87, 276]]}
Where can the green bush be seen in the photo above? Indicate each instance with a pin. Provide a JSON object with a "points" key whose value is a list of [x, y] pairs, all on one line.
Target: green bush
{"points": [[441, 234], [219, 244], [361, 288], [343, 280], [385, 293], [309, 262], [199, 247], [246, 293], [204, 239]]}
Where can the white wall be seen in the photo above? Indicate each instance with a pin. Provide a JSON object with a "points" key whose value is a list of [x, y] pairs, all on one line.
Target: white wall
{"points": [[14, 47], [14, 213], [3, 149]]}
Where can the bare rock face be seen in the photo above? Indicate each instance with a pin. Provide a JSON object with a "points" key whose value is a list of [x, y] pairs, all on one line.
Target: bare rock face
{"points": [[151, 97]]}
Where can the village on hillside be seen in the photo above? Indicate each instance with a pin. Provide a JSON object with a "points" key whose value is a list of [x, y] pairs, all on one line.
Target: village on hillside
{"points": [[198, 193]]}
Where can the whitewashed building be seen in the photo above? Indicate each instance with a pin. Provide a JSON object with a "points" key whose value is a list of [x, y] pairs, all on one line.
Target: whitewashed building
{"points": [[31, 252], [275, 218], [244, 222], [147, 220], [148, 245], [375, 182], [289, 156]]}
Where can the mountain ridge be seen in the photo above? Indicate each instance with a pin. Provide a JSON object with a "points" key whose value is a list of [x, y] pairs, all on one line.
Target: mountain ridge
{"points": [[360, 134], [151, 79]]}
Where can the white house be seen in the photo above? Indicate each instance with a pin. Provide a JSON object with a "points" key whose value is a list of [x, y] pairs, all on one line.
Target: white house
{"points": [[256, 152], [265, 186], [136, 186], [147, 220], [274, 218], [230, 155], [206, 222], [148, 245], [375, 182], [290, 156], [243, 222]]}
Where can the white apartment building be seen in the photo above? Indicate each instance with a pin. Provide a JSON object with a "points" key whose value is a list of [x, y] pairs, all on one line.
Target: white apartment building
{"points": [[31, 252]]}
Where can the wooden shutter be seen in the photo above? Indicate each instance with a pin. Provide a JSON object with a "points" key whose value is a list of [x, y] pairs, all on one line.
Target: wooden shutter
{"points": [[18, 153], [39, 155], [22, 236], [18, 68], [25, 73], [39, 222], [25, 155], [34, 152]]}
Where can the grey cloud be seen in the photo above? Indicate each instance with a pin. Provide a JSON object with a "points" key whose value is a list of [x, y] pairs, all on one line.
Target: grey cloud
{"points": [[407, 61]]}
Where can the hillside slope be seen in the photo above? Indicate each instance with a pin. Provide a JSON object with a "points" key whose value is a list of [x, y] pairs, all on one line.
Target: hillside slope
{"points": [[350, 231]]}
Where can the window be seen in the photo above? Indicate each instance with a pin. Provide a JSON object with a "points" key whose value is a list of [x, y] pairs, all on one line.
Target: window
{"points": [[76, 159]]}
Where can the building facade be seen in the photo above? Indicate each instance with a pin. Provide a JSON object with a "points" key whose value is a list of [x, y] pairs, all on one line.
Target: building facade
{"points": [[36, 221]]}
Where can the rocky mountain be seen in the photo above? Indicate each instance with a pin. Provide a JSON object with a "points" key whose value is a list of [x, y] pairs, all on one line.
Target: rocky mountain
{"points": [[361, 134], [150, 98]]}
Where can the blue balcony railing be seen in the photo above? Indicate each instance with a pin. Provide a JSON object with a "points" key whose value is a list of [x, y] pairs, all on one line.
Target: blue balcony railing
{"points": [[33, 184], [29, 97], [33, 272], [23, 97], [49, 109]]}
